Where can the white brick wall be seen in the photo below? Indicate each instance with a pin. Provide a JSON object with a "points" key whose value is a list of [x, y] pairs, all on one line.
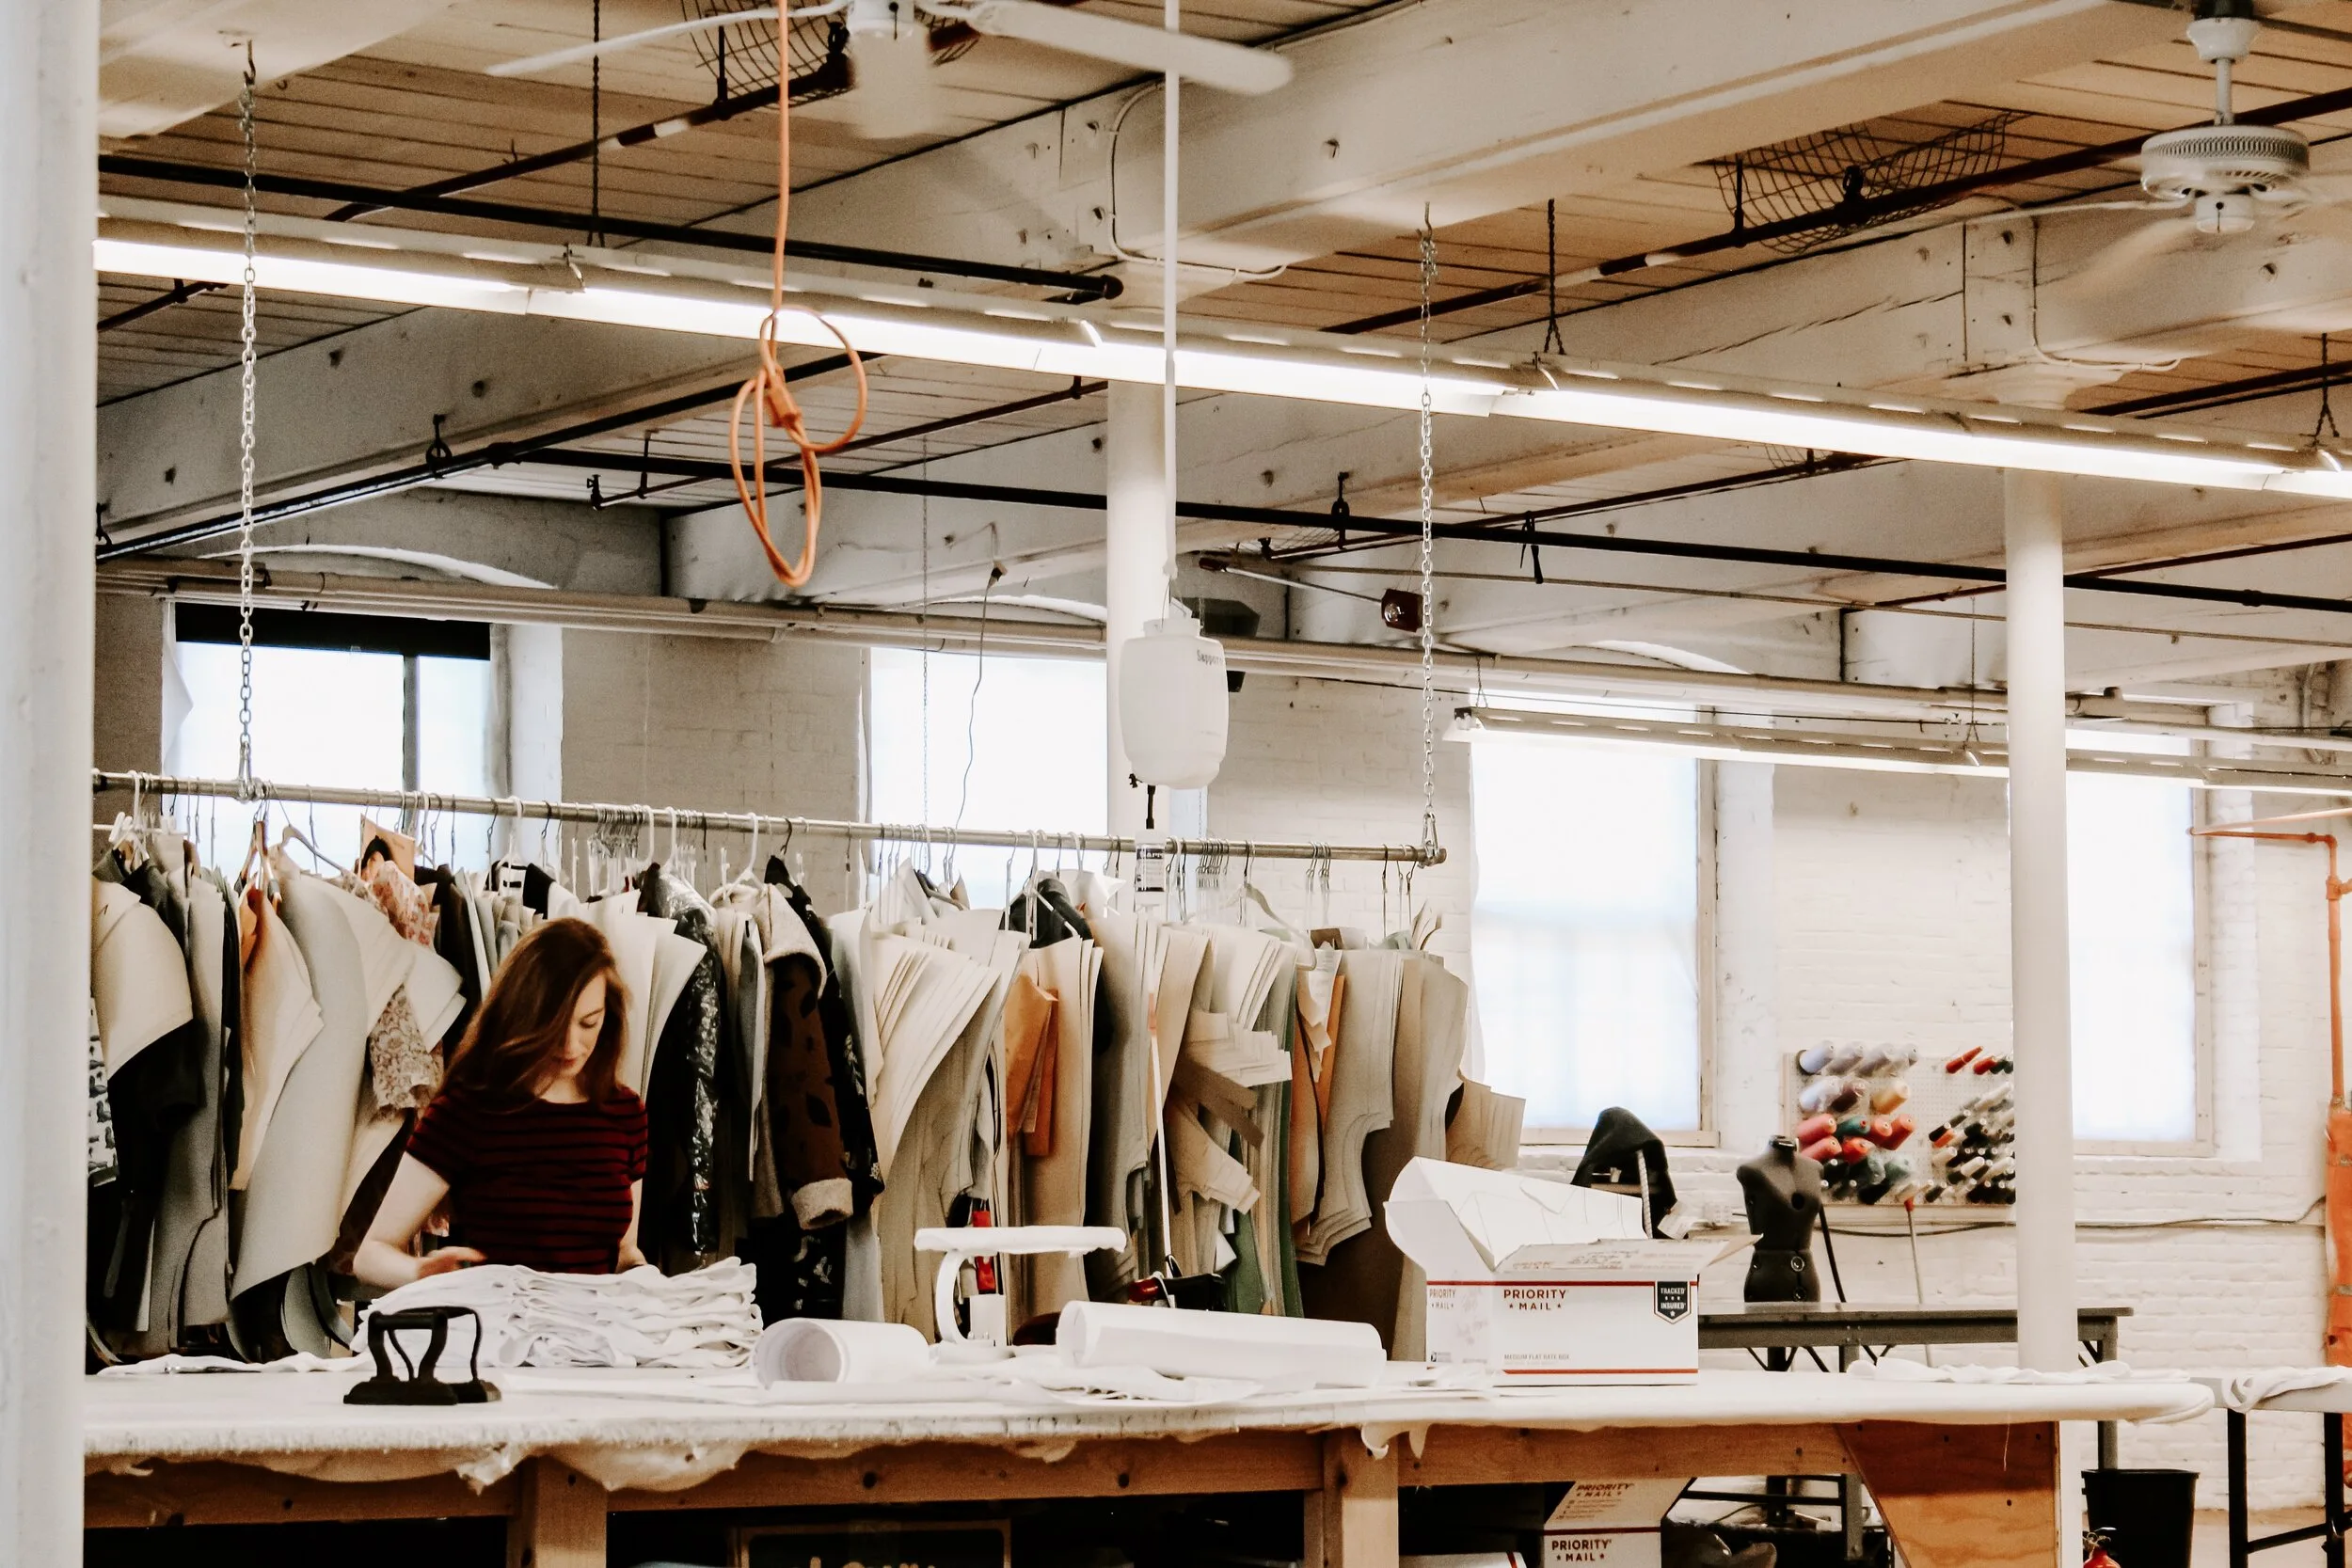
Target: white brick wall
{"points": [[718, 724]]}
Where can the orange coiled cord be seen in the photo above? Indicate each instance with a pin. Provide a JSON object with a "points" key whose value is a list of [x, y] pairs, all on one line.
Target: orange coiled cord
{"points": [[770, 393]]}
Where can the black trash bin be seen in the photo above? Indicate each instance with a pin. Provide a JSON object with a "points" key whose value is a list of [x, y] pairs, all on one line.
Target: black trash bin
{"points": [[2146, 1516]]}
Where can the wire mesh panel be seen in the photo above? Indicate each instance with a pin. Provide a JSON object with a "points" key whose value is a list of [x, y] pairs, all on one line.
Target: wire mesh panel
{"points": [[1853, 178]]}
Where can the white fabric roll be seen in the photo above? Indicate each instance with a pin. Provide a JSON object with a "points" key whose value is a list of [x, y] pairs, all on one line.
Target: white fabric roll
{"points": [[822, 1349], [1291, 1352]]}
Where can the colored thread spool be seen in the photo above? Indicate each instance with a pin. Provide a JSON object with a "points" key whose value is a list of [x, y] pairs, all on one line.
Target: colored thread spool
{"points": [[1957, 1063], [1814, 1129], [1813, 1059], [1822, 1150], [1845, 1058], [1847, 1096], [1886, 1097], [1817, 1094]]}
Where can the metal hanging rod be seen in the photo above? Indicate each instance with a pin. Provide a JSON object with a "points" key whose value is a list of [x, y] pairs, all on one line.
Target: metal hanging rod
{"points": [[597, 813]]}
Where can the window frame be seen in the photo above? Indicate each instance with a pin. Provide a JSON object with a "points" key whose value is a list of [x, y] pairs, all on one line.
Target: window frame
{"points": [[1707, 1135]]}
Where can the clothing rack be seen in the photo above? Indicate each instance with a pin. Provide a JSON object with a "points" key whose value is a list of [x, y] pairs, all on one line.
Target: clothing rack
{"points": [[524, 813]]}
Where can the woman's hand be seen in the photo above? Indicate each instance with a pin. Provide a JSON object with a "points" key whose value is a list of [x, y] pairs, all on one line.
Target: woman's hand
{"points": [[447, 1259], [631, 1258]]}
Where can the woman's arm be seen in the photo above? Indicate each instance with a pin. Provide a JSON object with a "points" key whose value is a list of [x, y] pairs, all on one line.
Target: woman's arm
{"points": [[384, 1259], [631, 1258]]}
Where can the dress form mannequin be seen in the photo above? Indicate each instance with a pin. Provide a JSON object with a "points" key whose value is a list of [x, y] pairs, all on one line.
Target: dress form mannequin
{"points": [[1782, 1190]]}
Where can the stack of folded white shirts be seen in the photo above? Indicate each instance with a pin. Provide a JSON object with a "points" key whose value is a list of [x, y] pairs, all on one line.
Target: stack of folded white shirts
{"points": [[690, 1322]]}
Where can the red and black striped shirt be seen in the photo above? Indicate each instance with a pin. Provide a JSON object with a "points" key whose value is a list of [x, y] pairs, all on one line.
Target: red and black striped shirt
{"points": [[543, 1184]]}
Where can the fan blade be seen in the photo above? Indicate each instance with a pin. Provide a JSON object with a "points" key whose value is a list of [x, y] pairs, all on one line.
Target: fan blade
{"points": [[573, 56], [1228, 66], [896, 96]]}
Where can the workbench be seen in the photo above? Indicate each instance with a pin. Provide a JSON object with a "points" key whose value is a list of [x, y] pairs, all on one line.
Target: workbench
{"points": [[1964, 1474]]}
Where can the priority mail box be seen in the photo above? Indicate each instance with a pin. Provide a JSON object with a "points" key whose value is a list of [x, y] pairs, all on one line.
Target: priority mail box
{"points": [[1617, 1523], [1543, 1283]]}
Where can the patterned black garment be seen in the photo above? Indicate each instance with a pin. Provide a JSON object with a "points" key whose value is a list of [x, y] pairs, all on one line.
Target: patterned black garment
{"points": [[678, 1219]]}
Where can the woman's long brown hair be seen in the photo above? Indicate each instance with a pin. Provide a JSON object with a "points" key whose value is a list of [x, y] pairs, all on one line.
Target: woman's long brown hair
{"points": [[518, 1032]]}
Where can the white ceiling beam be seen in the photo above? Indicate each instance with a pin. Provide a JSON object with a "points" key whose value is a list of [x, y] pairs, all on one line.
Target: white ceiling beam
{"points": [[1469, 107], [162, 62]]}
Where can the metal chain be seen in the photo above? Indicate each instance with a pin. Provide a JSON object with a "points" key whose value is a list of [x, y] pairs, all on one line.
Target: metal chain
{"points": [[245, 457], [1428, 534]]}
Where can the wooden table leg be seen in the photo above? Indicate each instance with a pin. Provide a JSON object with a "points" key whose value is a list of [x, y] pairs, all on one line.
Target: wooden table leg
{"points": [[558, 1520], [1963, 1496], [1352, 1522]]}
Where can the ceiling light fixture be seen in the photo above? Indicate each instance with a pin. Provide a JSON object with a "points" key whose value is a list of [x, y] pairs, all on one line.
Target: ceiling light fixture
{"points": [[1878, 754], [719, 299]]}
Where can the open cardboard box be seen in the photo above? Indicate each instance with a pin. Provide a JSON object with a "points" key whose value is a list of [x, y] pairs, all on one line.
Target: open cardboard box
{"points": [[1542, 1283]]}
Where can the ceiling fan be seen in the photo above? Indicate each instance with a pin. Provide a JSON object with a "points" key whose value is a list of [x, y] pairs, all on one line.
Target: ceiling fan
{"points": [[889, 48], [2224, 178]]}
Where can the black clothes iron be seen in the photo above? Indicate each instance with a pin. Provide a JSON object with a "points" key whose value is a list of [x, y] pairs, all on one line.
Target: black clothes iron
{"points": [[419, 1385], [1623, 1156], [1782, 1190]]}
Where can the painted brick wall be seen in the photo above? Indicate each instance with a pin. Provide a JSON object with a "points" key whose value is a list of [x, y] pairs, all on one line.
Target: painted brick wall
{"points": [[718, 724]]}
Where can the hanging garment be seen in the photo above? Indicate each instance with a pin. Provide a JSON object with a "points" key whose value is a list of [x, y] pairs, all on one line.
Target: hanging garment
{"points": [[1208, 1182], [281, 1019], [296, 1184], [814, 1164], [187, 1279], [152, 1048], [1134, 953], [1049, 1187], [406, 905], [1366, 1279], [1360, 1085], [636, 950], [219, 988], [946, 1144], [680, 1229], [1032, 1053]]}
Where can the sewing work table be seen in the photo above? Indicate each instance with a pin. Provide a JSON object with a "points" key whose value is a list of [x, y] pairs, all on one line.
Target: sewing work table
{"points": [[1964, 1474]]}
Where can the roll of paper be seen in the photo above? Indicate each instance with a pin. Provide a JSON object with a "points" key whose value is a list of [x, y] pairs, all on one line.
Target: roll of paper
{"points": [[822, 1349], [1178, 1343]]}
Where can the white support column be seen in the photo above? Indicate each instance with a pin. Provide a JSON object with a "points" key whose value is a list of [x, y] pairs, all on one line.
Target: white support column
{"points": [[48, 459], [1135, 574], [2039, 999]]}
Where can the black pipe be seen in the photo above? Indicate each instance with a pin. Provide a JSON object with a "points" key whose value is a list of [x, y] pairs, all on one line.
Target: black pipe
{"points": [[636, 135], [1854, 214], [179, 293], [496, 454], [1087, 286], [1810, 560]]}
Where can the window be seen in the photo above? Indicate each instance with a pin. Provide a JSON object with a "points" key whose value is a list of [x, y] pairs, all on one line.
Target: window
{"points": [[1585, 931], [354, 700], [2132, 935], [985, 743]]}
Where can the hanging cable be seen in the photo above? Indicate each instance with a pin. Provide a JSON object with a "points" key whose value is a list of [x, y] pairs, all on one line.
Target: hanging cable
{"points": [[596, 124], [2326, 419], [1551, 284], [1428, 589], [244, 453], [770, 395]]}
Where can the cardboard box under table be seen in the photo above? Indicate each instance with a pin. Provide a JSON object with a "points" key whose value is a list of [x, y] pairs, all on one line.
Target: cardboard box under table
{"points": [[1544, 1283]]}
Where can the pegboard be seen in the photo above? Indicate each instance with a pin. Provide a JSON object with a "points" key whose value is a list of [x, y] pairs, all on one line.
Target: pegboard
{"points": [[1936, 1093]]}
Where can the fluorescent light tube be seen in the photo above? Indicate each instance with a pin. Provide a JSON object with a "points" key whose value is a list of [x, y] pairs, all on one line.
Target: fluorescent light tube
{"points": [[727, 300]]}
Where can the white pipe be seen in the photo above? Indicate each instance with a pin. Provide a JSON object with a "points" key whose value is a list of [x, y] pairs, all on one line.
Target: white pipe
{"points": [[2039, 999], [1134, 570], [49, 454]]}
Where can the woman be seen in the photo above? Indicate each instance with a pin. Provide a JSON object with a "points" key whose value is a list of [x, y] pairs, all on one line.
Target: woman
{"points": [[540, 1153]]}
